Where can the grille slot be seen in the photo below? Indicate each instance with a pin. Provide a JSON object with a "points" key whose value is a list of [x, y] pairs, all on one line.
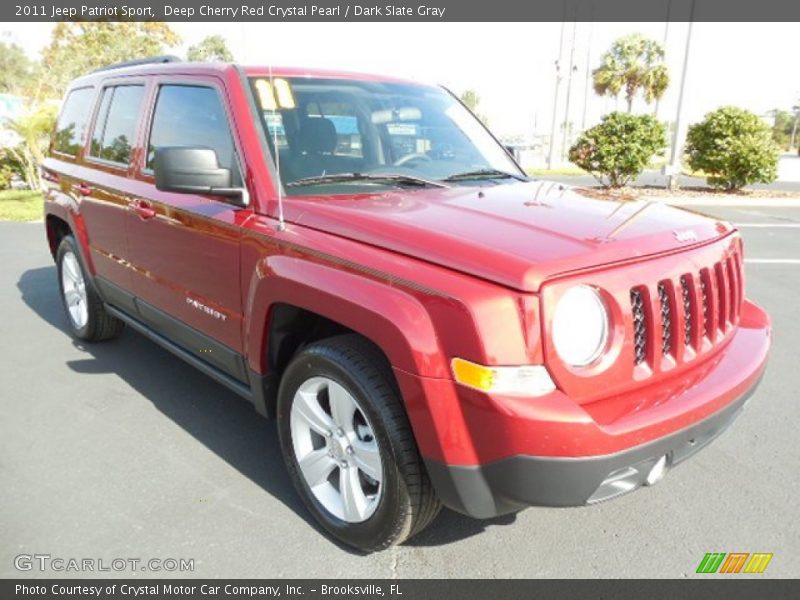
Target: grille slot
{"points": [[639, 327], [686, 299], [666, 318], [737, 267], [704, 299], [723, 292], [733, 285]]}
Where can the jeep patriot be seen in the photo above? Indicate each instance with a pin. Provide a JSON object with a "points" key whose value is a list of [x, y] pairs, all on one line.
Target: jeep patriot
{"points": [[361, 259]]}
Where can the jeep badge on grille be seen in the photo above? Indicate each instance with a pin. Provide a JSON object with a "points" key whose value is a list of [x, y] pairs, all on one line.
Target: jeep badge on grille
{"points": [[685, 235]]}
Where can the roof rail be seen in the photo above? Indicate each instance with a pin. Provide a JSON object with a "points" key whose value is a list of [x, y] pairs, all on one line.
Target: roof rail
{"points": [[167, 58]]}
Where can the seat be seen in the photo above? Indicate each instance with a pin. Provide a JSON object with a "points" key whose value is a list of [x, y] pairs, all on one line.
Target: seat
{"points": [[314, 151], [315, 146]]}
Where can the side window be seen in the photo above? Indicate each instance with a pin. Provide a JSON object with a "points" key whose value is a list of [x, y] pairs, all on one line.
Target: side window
{"points": [[188, 115], [116, 123], [71, 125]]}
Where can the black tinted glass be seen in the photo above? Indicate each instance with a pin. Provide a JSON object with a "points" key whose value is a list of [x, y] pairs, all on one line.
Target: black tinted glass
{"points": [[191, 116], [116, 123], [72, 122]]}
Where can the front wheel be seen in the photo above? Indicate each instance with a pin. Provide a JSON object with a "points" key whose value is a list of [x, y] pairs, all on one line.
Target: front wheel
{"points": [[348, 445]]}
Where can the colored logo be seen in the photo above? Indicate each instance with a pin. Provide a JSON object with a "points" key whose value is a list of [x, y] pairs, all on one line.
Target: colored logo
{"points": [[734, 562]]}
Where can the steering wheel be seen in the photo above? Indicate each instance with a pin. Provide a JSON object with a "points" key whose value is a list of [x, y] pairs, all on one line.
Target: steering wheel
{"points": [[409, 157]]}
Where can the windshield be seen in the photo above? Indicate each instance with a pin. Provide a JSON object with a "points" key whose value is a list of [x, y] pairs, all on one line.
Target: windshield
{"points": [[364, 131]]}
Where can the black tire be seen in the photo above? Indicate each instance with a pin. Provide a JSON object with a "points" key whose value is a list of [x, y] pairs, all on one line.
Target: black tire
{"points": [[408, 503], [100, 325]]}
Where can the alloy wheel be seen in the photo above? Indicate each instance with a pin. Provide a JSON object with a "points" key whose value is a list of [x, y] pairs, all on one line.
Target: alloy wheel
{"points": [[336, 450], [74, 289]]}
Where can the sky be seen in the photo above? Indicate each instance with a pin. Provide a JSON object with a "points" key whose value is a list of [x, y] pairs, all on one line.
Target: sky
{"points": [[512, 65]]}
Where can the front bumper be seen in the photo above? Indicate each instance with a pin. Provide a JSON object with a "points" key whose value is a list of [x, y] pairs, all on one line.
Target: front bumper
{"points": [[498, 455], [511, 484]]}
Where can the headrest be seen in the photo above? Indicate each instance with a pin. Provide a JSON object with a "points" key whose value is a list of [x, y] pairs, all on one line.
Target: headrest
{"points": [[318, 134]]}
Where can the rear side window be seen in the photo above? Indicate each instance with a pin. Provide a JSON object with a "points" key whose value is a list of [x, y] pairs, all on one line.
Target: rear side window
{"points": [[192, 116], [71, 125], [116, 123]]}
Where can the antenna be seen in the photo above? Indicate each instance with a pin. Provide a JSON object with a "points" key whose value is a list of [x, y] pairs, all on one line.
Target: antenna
{"points": [[281, 221]]}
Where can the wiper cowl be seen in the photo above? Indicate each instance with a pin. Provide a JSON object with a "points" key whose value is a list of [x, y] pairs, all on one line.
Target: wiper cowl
{"points": [[391, 178], [484, 174]]}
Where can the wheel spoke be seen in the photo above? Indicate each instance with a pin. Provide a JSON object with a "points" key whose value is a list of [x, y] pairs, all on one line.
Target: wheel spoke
{"points": [[308, 408], [72, 297], [368, 459], [71, 265], [343, 407], [317, 466], [353, 499]]}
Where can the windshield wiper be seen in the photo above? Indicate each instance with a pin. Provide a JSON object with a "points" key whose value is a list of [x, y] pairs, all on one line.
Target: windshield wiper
{"points": [[484, 174], [390, 178]]}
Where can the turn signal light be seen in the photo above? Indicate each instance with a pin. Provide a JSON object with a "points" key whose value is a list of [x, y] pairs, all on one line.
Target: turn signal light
{"points": [[525, 380]]}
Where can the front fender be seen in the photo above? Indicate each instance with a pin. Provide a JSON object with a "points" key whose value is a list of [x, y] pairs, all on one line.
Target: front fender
{"points": [[390, 316]]}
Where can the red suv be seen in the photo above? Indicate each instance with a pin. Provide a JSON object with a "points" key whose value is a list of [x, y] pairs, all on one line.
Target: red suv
{"points": [[362, 260]]}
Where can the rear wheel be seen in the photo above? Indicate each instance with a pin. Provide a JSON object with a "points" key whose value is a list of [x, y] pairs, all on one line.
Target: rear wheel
{"points": [[86, 315], [349, 447]]}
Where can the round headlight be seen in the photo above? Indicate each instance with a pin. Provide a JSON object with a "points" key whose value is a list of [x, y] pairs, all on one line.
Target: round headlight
{"points": [[580, 326]]}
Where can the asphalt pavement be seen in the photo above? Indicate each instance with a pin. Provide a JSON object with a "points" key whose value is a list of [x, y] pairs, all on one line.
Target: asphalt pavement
{"points": [[120, 450]]}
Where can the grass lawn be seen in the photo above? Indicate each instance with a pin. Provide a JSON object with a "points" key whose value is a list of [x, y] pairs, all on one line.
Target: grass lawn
{"points": [[20, 205], [566, 171], [571, 170]]}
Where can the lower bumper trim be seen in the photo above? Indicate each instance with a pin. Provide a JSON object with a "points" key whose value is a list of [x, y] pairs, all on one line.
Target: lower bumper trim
{"points": [[508, 485]]}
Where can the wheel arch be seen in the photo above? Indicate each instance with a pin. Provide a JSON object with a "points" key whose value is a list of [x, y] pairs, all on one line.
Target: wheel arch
{"points": [[387, 315], [57, 228], [292, 302], [62, 218]]}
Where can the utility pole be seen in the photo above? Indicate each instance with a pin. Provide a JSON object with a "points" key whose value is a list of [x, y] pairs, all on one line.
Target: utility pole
{"points": [[553, 130], [796, 110], [588, 71], [572, 69], [666, 37], [674, 162]]}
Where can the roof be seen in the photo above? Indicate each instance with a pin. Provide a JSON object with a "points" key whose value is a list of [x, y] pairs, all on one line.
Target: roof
{"points": [[192, 68]]}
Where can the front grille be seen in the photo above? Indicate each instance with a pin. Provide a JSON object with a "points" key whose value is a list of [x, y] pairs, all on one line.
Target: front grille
{"points": [[694, 310]]}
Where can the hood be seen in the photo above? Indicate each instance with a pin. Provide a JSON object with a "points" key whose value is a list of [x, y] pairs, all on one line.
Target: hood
{"points": [[516, 234]]}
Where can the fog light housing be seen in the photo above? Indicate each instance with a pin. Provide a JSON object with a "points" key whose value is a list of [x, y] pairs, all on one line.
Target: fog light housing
{"points": [[657, 471]]}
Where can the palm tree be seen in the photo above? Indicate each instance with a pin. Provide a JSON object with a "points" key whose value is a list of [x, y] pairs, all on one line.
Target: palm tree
{"points": [[32, 129], [633, 63], [471, 100]]}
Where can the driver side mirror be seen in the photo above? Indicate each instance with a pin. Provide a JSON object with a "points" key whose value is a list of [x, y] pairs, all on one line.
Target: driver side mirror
{"points": [[192, 170]]}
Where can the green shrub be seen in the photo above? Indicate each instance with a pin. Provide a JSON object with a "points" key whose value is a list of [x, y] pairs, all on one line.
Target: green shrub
{"points": [[8, 168], [5, 177], [733, 147], [619, 147]]}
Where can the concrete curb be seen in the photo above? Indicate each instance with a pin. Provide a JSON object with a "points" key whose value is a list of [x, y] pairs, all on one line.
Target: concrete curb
{"points": [[729, 201]]}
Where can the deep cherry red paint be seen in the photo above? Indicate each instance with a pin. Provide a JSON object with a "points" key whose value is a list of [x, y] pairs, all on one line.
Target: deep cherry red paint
{"points": [[427, 275]]}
